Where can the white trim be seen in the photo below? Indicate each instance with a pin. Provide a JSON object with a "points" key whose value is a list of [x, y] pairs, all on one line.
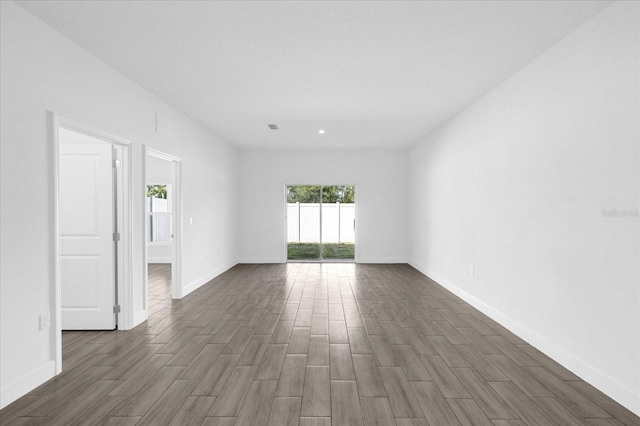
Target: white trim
{"points": [[176, 268], [159, 243], [373, 259], [161, 155], [177, 286], [285, 242], [56, 317], [573, 363], [89, 131], [159, 259], [125, 289], [22, 386], [356, 257], [206, 278], [139, 317], [145, 247], [262, 260], [125, 252], [126, 318]]}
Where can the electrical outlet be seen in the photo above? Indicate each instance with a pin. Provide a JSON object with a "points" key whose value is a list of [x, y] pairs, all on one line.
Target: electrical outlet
{"points": [[45, 321], [190, 221], [473, 271]]}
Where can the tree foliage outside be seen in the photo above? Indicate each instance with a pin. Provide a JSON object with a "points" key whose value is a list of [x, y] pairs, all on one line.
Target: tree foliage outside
{"points": [[338, 194], [157, 191], [303, 194], [330, 194]]}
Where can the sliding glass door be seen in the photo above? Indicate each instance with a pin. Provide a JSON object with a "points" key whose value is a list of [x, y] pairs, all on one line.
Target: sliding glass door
{"points": [[320, 222]]}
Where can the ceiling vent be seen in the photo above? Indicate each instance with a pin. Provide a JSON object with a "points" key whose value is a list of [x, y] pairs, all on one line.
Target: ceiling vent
{"points": [[273, 126]]}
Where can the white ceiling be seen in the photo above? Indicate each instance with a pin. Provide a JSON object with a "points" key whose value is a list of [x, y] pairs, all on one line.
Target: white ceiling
{"points": [[372, 74]]}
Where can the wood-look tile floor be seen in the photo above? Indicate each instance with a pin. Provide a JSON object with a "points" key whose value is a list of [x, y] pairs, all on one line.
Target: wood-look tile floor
{"points": [[159, 289], [312, 344]]}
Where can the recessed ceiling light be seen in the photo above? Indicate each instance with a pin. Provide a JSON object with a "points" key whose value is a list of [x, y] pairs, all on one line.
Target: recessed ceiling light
{"points": [[273, 126], [321, 131]]}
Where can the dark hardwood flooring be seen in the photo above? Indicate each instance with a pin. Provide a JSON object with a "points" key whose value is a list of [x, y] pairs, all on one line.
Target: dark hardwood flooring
{"points": [[311, 344]]}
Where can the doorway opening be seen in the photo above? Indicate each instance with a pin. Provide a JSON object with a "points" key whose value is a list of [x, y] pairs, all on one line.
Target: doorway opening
{"points": [[92, 231], [162, 231], [320, 223], [159, 236]]}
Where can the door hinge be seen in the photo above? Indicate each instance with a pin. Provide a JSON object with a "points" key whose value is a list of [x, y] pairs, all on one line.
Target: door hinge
{"points": [[116, 236], [116, 309], [116, 164]]}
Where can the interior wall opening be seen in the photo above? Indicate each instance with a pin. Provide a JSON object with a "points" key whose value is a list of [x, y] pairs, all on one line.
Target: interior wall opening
{"points": [[159, 238], [92, 231], [162, 232]]}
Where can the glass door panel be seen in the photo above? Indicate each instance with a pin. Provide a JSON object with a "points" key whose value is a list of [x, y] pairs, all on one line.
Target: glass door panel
{"points": [[303, 222], [338, 222]]}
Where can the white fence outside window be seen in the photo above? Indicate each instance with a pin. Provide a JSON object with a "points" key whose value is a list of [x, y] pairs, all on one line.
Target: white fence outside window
{"points": [[303, 222], [159, 220]]}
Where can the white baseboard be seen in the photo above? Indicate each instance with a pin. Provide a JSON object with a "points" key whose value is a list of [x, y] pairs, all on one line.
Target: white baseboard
{"points": [[360, 259], [27, 383], [159, 260], [205, 279], [139, 317], [262, 260], [571, 362]]}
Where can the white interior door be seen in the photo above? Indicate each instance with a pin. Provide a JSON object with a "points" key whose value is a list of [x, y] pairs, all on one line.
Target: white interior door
{"points": [[87, 223]]}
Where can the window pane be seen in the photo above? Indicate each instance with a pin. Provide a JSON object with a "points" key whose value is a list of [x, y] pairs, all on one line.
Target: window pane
{"points": [[158, 198], [159, 205], [159, 231], [303, 194]]}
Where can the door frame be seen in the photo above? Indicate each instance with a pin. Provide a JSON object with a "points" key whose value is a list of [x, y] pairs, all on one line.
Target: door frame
{"points": [[177, 288], [320, 259], [124, 214]]}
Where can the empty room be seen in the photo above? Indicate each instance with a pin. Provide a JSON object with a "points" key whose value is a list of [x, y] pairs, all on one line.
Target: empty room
{"points": [[394, 213]]}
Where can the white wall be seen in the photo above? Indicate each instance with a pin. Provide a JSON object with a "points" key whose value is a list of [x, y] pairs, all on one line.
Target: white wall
{"points": [[43, 71], [159, 171], [516, 185], [380, 178]]}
